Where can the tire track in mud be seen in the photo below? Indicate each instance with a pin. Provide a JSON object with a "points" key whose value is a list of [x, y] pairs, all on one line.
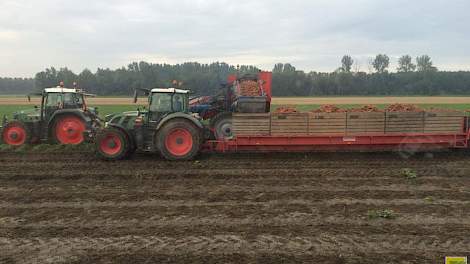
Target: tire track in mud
{"points": [[64, 248], [264, 195], [235, 160], [292, 224], [129, 174], [234, 211]]}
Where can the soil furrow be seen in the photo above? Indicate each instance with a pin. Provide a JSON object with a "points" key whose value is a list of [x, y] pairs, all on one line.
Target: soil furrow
{"points": [[67, 248], [267, 208]]}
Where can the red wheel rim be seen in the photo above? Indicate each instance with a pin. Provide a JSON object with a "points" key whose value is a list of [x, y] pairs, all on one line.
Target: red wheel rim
{"points": [[111, 144], [69, 130], [179, 142], [14, 135]]}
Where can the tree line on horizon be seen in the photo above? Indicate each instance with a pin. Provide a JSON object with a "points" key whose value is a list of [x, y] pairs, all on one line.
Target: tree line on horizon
{"points": [[413, 77]]}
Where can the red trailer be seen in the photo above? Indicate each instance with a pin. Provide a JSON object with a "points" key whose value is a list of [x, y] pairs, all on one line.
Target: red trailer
{"points": [[339, 142], [268, 132]]}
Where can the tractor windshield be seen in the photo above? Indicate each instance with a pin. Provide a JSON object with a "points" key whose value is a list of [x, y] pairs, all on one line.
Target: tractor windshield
{"points": [[64, 100], [54, 100], [168, 102], [73, 100]]}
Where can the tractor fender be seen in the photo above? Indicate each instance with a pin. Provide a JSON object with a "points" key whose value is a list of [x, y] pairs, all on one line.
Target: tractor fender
{"points": [[172, 116]]}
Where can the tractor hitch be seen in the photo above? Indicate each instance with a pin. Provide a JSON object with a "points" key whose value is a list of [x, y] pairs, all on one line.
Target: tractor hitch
{"points": [[89, 136]]}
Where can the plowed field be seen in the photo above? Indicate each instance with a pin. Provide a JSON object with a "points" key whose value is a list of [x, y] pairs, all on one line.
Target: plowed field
{"points": [[70, 208]]}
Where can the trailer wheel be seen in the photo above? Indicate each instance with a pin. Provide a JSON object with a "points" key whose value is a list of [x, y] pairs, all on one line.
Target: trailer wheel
{"points": [[16, 134], [411, 147], [68, 130], [222, 125], [112, 144], [179, 140]]}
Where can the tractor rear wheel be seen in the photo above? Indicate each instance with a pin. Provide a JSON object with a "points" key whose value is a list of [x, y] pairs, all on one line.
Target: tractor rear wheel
{"points": [[112, 144], [179, 140], [68, 130], [222, 126], [15, 133]]}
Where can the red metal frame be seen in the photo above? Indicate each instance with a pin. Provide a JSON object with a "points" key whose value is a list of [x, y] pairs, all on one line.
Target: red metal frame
{"points": [[267, 78], [338, 142]]}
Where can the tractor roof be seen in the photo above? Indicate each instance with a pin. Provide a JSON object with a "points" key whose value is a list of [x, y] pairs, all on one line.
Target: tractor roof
{"points": [[169, 90], [61, 90]]}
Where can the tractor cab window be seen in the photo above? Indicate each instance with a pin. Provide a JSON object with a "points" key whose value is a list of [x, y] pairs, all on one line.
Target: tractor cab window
{"points": [[54, 100], [178, 103], [73, 100], [168, 102], [160, 102]]}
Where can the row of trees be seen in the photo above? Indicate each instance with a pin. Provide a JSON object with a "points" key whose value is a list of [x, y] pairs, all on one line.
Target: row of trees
{"points": [[382, 62], [412, 78], [289, 82], [16, 85], [200, 78]]}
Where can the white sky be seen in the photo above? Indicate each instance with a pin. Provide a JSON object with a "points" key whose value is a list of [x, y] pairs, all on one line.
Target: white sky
{"points": [[310, 34]]}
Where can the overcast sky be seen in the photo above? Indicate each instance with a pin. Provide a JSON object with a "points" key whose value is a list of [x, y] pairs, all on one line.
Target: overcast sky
{"points": [[310, 34]]}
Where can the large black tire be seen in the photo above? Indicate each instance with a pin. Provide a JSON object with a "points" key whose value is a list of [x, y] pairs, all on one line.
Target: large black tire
{"points": [[222, 126], [112, 144], [15, 133], [179, 139]]}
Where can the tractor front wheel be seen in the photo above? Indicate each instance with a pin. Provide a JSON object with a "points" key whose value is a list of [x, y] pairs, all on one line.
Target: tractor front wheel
{"points": [[16, 134], [112, 144], [179, 140], [68, 130]]}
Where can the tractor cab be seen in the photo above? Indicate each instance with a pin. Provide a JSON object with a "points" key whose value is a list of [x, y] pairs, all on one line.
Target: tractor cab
{"points": [[54, 99], [164, 101]]}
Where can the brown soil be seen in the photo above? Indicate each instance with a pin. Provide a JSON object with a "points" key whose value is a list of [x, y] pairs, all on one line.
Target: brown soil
{"points": [[265, 208]]}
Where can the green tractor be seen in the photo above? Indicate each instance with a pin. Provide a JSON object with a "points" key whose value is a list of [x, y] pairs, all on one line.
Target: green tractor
{"points": [[62, 118], [167, 127]]}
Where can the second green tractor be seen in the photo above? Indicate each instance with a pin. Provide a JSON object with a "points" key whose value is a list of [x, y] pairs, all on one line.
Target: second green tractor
{"points": [[166, 127]]}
